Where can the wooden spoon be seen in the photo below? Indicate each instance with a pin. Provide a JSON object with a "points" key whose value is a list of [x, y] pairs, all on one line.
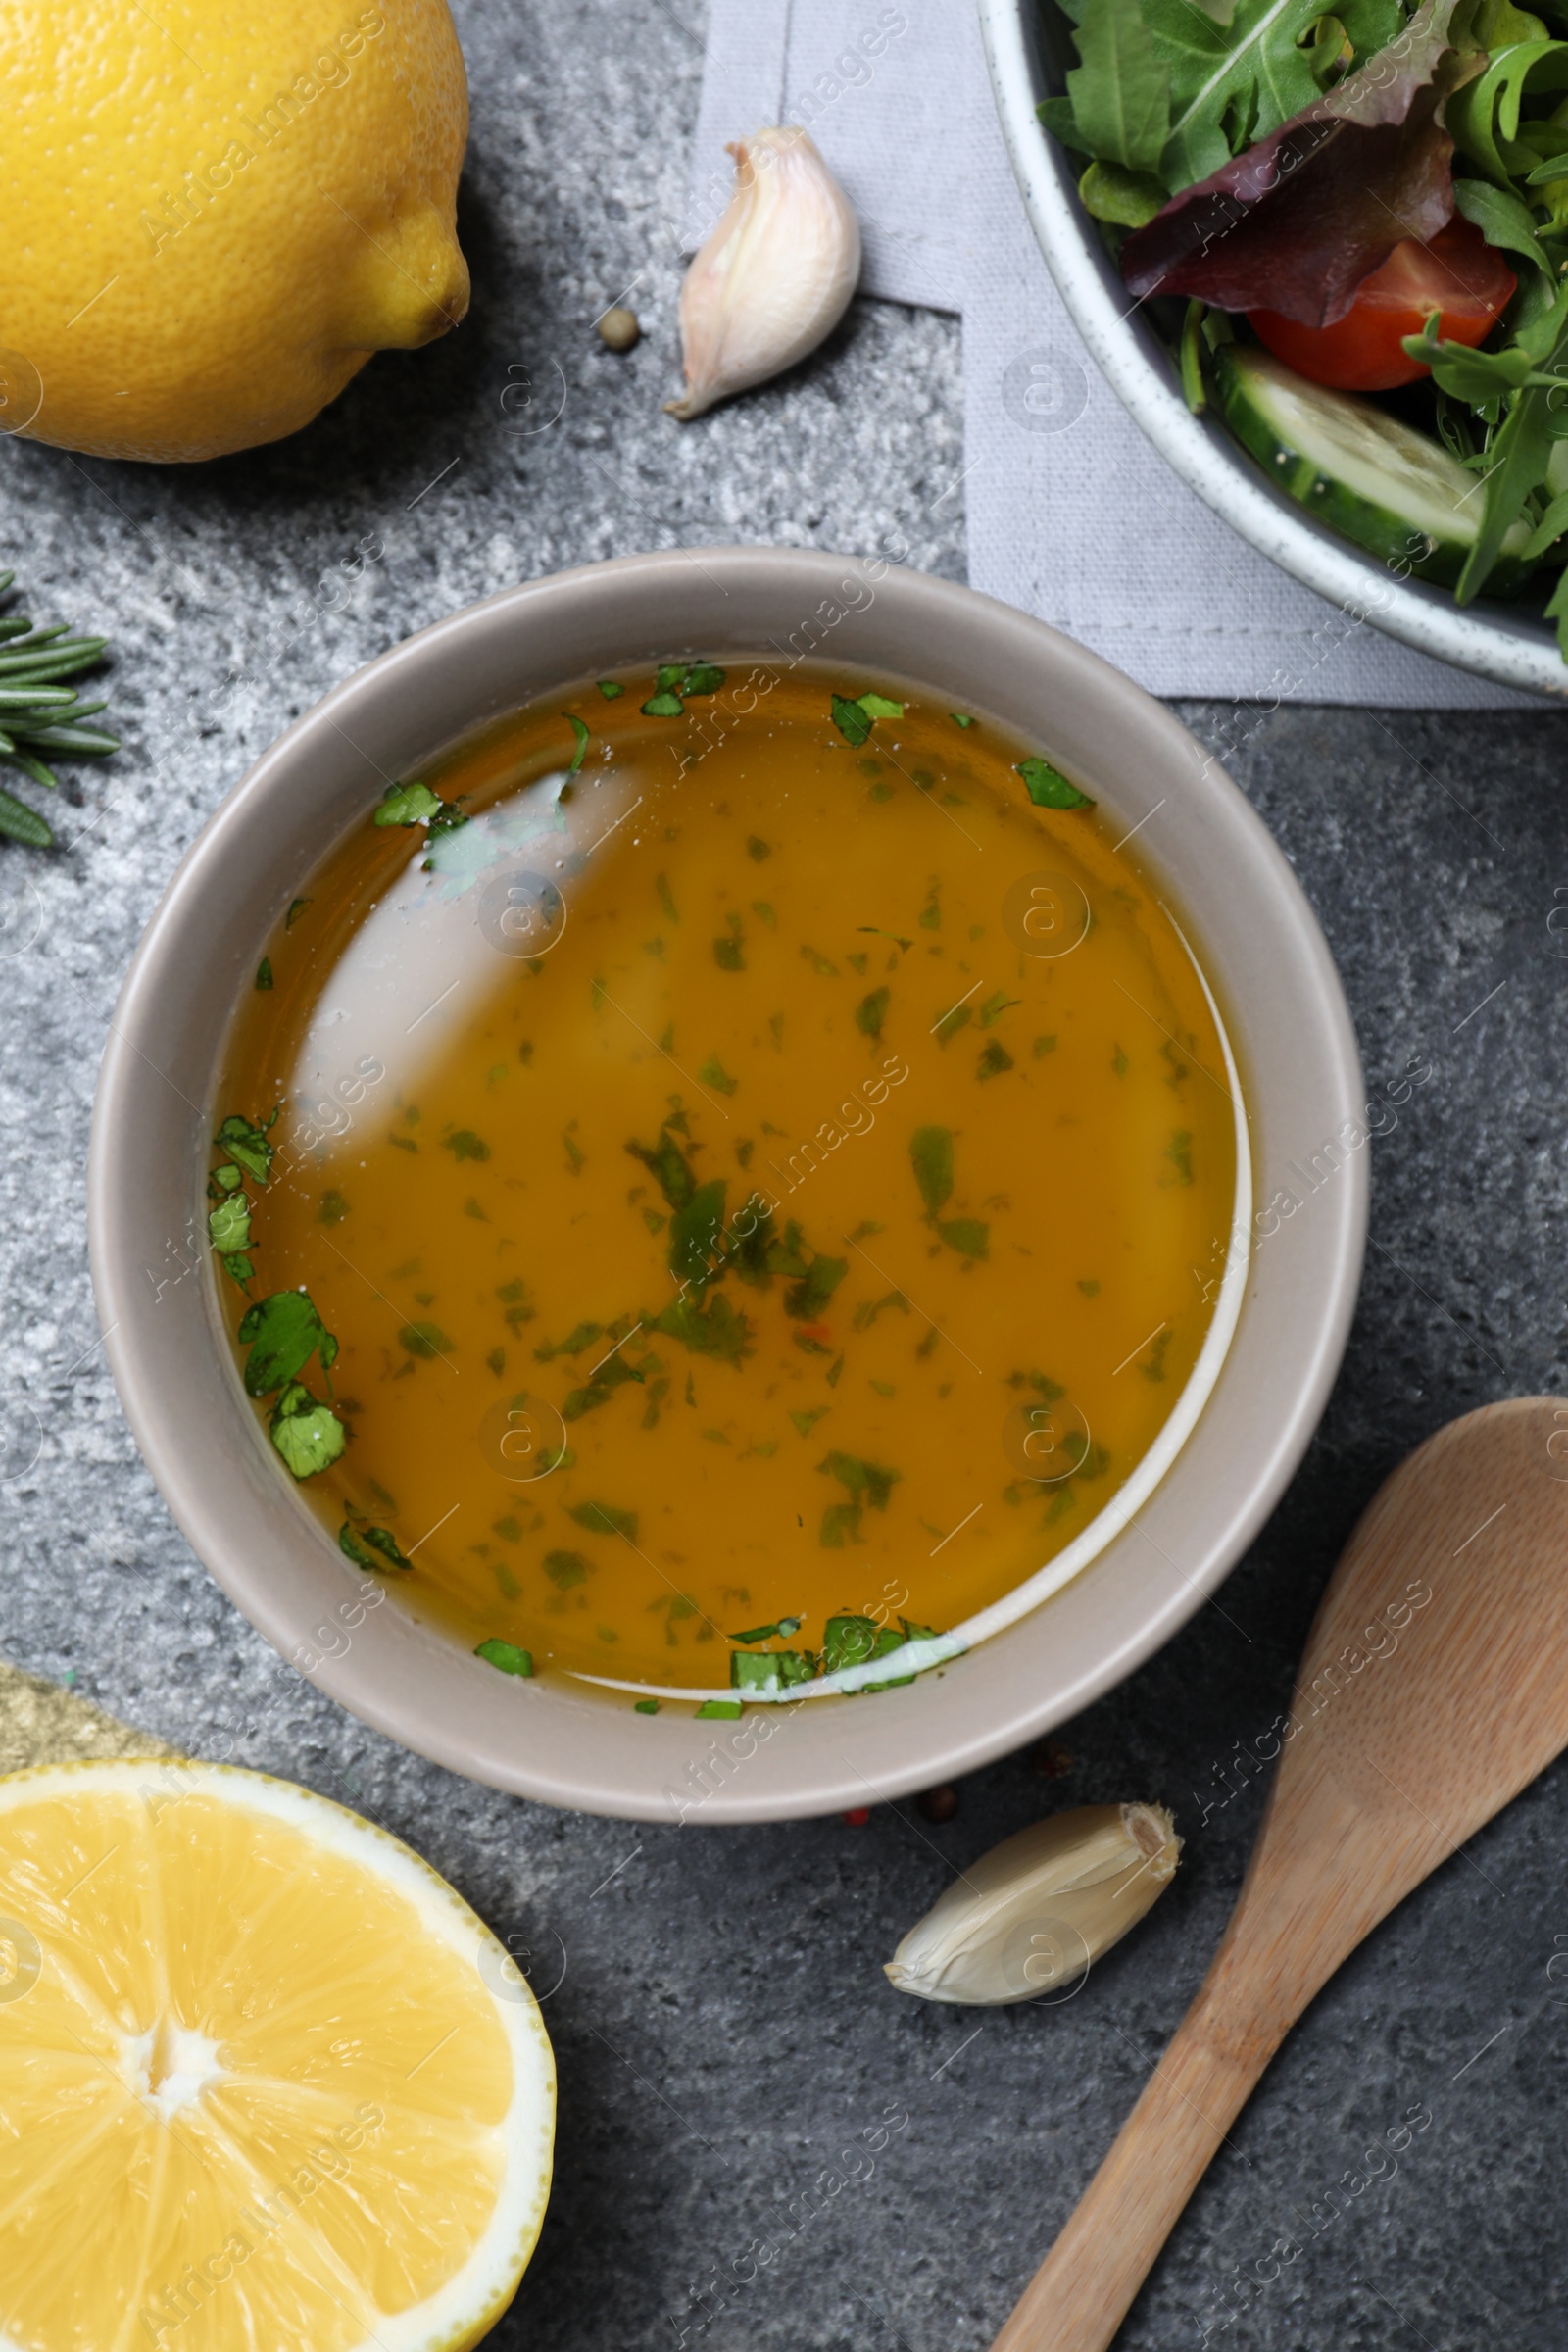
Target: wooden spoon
{"points": [[1433, 1688]]}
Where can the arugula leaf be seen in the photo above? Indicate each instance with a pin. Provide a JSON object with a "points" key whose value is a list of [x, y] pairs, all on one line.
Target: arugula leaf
{"points": [[308, 1433], [765, 1633], [506, 1655], [804, 1302], [1503, 218], [1049, 788], [1246, 70], [408, 804], [931, 1150], [372, 1549], [246, 1140], [282, 1333], [1120, 92], [603, 1519]]}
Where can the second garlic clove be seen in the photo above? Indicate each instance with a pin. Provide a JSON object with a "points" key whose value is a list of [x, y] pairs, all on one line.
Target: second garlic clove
{"points": [[1032, 1916], [774, 277]]}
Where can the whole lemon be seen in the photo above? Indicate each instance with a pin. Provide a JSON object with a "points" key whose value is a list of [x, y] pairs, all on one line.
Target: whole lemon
{"points": [[210, 217]]}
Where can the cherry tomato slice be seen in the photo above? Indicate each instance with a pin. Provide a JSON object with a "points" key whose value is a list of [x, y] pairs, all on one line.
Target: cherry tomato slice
{"points": [[1455, 273]]}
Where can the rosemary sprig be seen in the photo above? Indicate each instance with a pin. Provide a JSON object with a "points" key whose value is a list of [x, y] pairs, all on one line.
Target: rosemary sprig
{"points": [[33, 705]]}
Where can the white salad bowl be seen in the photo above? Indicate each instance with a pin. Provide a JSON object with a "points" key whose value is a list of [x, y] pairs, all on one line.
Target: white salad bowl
{"points": [[1029, 51], [1158, 1550]]}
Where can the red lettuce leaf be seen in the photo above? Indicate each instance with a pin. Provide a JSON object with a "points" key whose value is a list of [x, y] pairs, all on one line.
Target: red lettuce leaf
{"points": [[1299, 221]]}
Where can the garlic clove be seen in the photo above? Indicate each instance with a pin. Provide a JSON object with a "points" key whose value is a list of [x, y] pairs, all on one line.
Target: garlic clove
{"points": [[1038, 1909], [774, 277]]}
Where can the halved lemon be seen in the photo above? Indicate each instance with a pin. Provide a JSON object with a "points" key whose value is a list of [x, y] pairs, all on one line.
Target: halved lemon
{"points": [[266, 2080]]}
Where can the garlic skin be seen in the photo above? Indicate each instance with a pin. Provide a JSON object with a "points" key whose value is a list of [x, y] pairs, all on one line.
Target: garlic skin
{"points": [[774, 277], [1034, 1914]]}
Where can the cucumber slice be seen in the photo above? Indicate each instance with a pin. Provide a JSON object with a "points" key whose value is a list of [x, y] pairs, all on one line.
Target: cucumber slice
{"points": [[1396, 492]]}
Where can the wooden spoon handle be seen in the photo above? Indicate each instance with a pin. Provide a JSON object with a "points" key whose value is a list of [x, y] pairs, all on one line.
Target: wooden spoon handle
{"points": [[1082, 2291]]}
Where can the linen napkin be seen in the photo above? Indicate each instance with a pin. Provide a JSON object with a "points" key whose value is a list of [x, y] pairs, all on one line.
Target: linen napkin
{"points": [[1072, 515]]}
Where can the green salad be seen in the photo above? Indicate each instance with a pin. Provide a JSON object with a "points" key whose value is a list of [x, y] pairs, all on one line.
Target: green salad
{"points": [[1366, 217]]}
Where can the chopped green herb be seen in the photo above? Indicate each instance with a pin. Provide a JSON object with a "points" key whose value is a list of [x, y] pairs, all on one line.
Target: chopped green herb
{"points": [[1049, 788], [852, 721], [758, 848], [463, 1143], [929, 917], [333, 1210], [766, 1633], [876, 932], [1044, 1045], [264, 974], [1179, 1152], [662, 705], [1089, 1289], [866, 1481], [1119, 1063], [931, 1150], [566, 1569], [702, 677], [496, 1361], [771, 1670], [425, 1340], [806, 1299], [833, 1371], [714, 1073], [994, 1060], [867, 1314], [716, 1330], [728, 952], [645, 1706], [662, 886], [804, 1423], [371, 1547], [506, 1655], [580, 731], [582, 1336], [1154, 1366], [822, 966], [408, 804], [961, 719], [228, 1225], [609, 688], [297, 906], [308, 1433], [995, 1006], [576, 1153], [238, 1267], [871, 1011], [764, 913], [246, 1140], [603, 1519], [282, 1333], [967, 1235], [727, 1708]]}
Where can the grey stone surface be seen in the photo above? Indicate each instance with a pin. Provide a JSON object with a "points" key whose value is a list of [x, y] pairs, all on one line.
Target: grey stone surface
{"points": [[722, 2026]]}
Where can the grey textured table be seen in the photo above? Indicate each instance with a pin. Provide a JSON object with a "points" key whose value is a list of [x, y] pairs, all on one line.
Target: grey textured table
{"points": [[721, 2023]]}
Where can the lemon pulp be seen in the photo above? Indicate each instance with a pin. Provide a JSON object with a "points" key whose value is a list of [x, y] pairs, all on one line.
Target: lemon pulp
{"points": [[294, 2081]]}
